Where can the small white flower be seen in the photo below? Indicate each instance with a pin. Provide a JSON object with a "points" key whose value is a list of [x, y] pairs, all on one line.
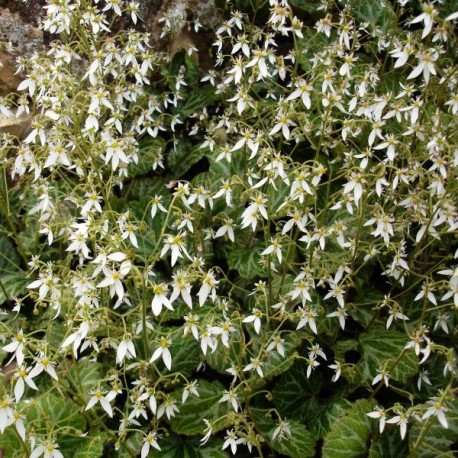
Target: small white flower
{"points": [[99, 397], [232, 440], [255, 364], [254, 318], [150, 441], [164, 352]]}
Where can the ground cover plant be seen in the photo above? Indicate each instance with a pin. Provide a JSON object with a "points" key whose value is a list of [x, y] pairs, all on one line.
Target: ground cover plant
{"points": [[255, 259]]}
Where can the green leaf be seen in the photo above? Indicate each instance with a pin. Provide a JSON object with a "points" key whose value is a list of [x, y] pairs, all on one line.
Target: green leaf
{"points": [[197, 101], [300, 444], [9, 258], [182, 157], [142, 188], [150, 150], [275, 364], [381, 348], [349, 434], [85, 375], [310, 6], [388, 445], [55, 413], [131, 446], [176, 447], [222, 358], [92, 446], [321, 422], [185, 354], [375, 14], [438, 440], [246, 261], [190, 419], [295, 395], [11, 444], [13, 284]]}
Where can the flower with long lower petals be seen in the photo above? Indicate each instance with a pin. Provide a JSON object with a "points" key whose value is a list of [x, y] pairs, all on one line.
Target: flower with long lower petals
{"points": [[17, 346], [160, 299], [169, 408], [125, 349], [425, 65], [150, 441], [208, 432], [208, 288], [175, 243], [254, 318], [307, 316], [233, 441], [113, 279], [48, 450], [427, 17], [255, 364], [230, 397], [436, 408], [99, 397], [23, 378], [6, 413], [43, 363], [164, 352], [401, 420], [381, 415], [277, 343], [282, 430]]}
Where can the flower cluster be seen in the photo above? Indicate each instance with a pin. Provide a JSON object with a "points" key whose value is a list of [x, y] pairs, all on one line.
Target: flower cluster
{"points": [[200, 250]]}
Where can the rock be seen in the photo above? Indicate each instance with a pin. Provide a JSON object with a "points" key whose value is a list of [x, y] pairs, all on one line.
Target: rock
{"points": [[17, 39], [13, 125]]}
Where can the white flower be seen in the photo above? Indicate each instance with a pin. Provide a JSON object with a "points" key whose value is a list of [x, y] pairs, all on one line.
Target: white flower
{"points": [[232, 440], [437, 409], [231, 397], [282, 430], [43, 363], [160, 299], [337, 367], [169, 408], [255, 364], [382, 374], [99, 397], [182, 287], [6, 413], [308, 316], [190, 387], [274, 247], [255, 318], [150, 441], [428, 16], [208, 432], [208, 288], [425, 65], [175, 243], [401, 420], [48, 450], [156, 204], [311, 363], [381, 415], [164, 352], [23, 378], [277, 343], [251, 214], [282, 123], [17, 346], [227, 228], [113, 279], [125, 349]]}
